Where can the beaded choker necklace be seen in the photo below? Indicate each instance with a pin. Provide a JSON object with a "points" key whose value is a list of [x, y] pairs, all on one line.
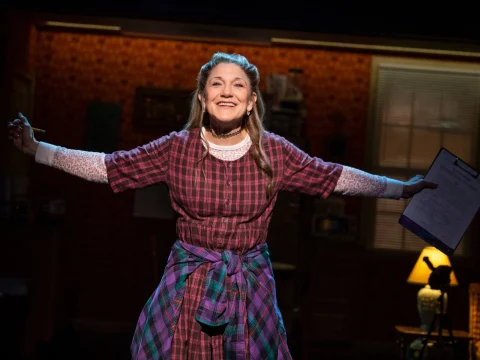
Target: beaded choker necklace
{"points": [[225, 136]]}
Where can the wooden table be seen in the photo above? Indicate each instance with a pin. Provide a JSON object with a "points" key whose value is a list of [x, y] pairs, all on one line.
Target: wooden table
{"points": [[464, 341]]}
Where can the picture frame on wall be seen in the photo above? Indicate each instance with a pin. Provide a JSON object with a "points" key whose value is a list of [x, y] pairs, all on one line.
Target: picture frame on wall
{"points": [[161, 110]]}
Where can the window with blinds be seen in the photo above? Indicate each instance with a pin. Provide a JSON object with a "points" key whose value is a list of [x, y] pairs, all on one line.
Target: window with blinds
{"points": [[418, 107]]}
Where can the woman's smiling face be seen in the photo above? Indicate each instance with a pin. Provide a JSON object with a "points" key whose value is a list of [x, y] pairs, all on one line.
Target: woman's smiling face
{"points": [[227, 93]]}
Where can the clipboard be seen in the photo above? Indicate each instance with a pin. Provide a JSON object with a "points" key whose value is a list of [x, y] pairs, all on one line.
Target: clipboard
{"points": [[442, 216]]}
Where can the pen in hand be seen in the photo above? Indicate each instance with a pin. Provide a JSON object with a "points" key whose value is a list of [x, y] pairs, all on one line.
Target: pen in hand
{"points": [[41, 131]]}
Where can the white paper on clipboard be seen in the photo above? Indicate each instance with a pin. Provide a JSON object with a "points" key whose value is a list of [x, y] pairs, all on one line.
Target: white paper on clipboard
{"points": [[442, 215]]}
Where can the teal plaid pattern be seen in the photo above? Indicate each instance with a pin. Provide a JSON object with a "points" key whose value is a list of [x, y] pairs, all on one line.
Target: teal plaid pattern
{"points": [[252, 292]]}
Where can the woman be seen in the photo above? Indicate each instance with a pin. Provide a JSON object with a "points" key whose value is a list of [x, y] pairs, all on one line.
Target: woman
{"points": [[217, 296]]}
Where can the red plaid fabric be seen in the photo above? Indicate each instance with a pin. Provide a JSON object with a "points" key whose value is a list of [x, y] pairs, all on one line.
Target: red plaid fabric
{"points": [[224, 207]]}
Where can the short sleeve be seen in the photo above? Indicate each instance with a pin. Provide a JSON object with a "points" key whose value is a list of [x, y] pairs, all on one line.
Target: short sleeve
{"points": [[307, 174], [139, 167]]}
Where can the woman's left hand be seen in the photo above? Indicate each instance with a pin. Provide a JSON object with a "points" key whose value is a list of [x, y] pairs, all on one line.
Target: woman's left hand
{"points": [[415, 185]]}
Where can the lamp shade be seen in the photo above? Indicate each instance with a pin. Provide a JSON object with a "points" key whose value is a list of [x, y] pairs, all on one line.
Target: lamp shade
{"points": [[421, 272]]}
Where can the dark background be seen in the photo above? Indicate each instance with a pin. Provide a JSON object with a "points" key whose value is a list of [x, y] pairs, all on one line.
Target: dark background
{"points": [[456, 21]]}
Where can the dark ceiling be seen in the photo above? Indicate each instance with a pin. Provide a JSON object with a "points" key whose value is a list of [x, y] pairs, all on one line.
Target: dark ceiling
{"points": [[453, 21]]}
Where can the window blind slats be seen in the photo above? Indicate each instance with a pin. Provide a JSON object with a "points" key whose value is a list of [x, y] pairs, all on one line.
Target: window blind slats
{"points": [[417, 110], [427, 97]]}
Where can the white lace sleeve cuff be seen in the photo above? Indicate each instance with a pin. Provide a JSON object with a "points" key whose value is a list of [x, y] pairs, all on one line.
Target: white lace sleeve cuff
{"points": [[360, 183], [45, 153], [394, 189], [87, 165]]}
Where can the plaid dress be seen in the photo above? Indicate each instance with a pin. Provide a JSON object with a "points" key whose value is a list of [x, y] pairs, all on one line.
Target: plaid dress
{"points": [[223, 213]]}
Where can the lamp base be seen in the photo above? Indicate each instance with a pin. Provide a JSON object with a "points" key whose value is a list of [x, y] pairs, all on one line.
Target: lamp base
{"points": [[428, 305]]}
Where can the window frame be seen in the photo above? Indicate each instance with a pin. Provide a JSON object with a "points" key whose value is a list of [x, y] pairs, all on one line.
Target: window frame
{"points": [[374, 127]]}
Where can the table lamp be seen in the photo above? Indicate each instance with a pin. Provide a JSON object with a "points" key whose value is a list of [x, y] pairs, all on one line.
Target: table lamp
{"points": [[427, 298]]}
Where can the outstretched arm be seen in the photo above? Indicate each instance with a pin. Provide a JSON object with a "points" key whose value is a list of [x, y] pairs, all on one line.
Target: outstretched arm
{"points": [[85, 164], [133, 169], [314, 176], [353, 181]]}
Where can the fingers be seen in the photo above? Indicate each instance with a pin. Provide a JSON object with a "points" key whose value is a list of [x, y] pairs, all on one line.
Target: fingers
{"points": [[16, 127], [16, 137], [18, 130], [13, 135], [23, 119], [425, 184], [422, 184], [15, 123], [18, 142], [14, 130]]}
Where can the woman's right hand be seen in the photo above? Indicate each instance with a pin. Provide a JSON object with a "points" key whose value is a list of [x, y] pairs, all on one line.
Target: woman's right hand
{"points": [[20, 131]]}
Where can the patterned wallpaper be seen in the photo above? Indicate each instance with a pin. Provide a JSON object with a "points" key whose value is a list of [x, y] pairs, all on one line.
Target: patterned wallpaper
{"points": [[72, 69]]}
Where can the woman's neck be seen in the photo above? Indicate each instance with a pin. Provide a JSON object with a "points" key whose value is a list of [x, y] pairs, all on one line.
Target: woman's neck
{"points": [[225, 134], [233, 140]]}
